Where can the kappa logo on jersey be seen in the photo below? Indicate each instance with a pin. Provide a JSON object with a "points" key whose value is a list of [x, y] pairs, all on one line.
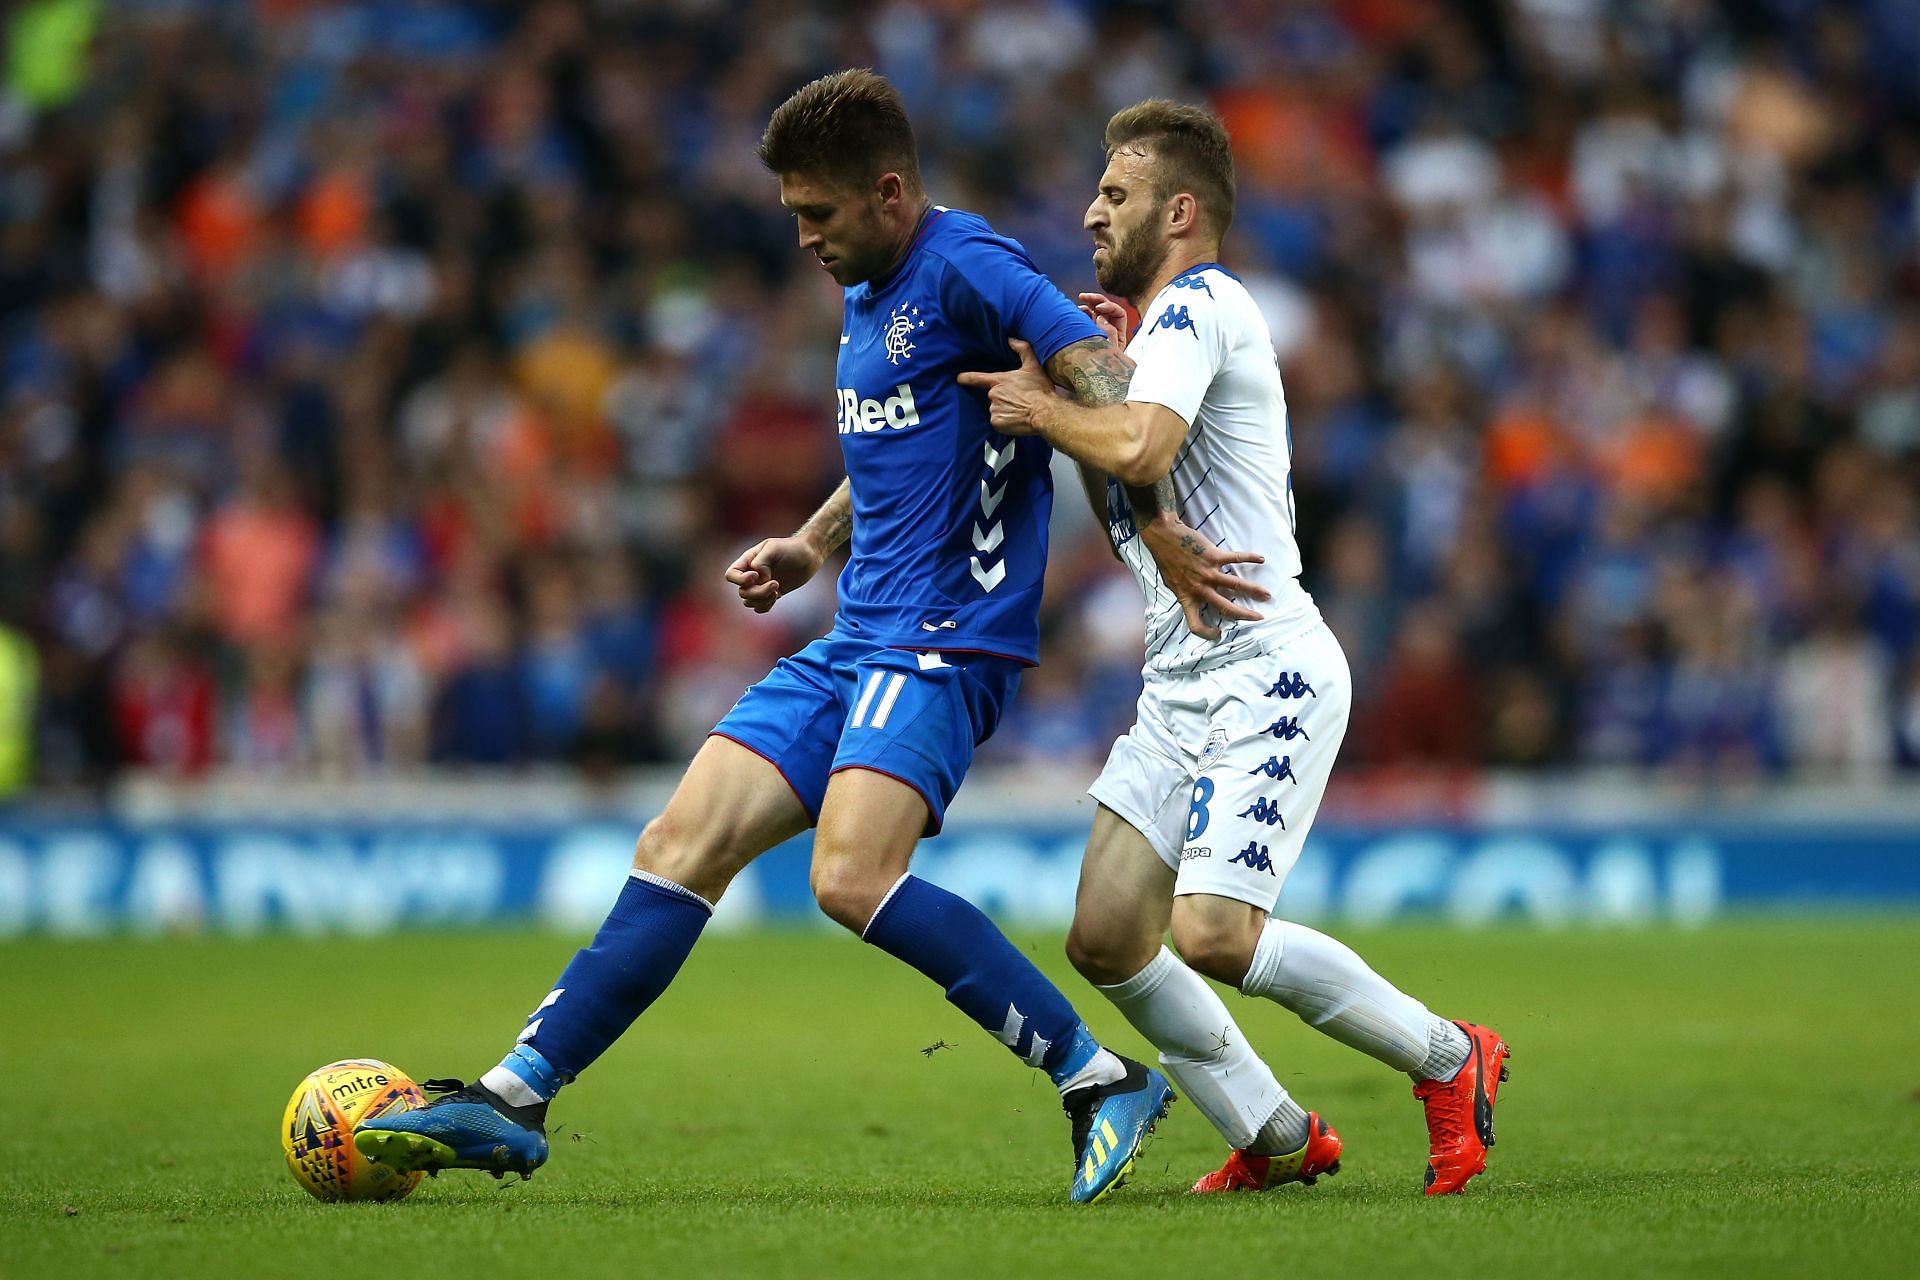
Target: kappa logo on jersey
{"points": [[902, 323], [1287, 728], [1264, 810], [1195, 281], [1291, 684], [895, 413], [1255, 858], [1173, 318], [1278, 768]]}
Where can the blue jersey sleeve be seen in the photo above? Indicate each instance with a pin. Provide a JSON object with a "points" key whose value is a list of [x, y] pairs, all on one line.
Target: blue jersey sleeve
{"points": [[1024, 303]]}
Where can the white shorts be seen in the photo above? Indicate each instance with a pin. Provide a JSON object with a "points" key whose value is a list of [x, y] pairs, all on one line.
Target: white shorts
{"points": [[1224, 770]]}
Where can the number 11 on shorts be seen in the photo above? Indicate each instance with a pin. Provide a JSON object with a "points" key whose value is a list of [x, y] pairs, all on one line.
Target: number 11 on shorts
{"points": [[894, 682]]}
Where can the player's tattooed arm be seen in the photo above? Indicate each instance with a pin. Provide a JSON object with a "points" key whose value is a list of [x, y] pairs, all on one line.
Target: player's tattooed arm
{"points": [[1192, 567], [770, 569], [831, 526], [1094, 371], [1195, 570], [1133, 441]]}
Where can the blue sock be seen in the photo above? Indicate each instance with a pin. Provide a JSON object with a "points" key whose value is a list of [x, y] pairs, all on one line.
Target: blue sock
{"points": [[646, 938], [985, 976]]}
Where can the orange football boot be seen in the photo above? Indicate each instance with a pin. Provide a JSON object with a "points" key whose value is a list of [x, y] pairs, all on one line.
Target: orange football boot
{"points": [[1460, 1112], [1244, 1171]]}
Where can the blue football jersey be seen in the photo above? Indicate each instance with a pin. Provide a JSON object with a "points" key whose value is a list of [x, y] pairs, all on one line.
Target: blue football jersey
{"points": [[949, 516]]}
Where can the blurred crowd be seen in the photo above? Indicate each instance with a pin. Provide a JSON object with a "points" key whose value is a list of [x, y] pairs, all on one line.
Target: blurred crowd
{"points": [[388, 382]]}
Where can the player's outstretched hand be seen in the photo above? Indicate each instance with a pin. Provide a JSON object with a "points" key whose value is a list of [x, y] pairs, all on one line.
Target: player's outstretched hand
{"points": [[772, 568], [1016, 397], [1196, 572], [1107, 315]]}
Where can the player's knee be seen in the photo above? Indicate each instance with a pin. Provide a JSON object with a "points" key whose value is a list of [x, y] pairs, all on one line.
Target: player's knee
{"points": [[847, 891], [1220, 946], [1106, 956], [688, 856]]}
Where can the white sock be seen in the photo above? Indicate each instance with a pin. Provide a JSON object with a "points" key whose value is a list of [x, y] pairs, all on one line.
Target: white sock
{"points": [[510, 1088], [1447, 1051], [1284, 1133], [1333, 990], [1102, 1068], [1201, 1047]]}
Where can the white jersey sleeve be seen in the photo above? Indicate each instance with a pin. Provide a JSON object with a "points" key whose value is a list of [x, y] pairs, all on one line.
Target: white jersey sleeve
{"points": [[1179, 351]]}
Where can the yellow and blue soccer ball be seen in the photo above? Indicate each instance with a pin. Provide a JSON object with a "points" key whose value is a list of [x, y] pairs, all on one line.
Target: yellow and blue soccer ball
{"points": [[317, 1131]]}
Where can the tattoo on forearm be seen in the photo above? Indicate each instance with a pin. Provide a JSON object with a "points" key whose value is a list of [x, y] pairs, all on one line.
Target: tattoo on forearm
{"points": [[1096, 372], [1148, 503], [832, 524]]}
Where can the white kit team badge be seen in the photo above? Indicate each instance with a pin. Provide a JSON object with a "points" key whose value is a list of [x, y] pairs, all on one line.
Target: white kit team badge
{"points": [[1216, 746], [902, 323]]}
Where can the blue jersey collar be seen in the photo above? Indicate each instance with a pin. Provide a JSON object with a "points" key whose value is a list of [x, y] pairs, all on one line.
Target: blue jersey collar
{"points": [[927, 219]]}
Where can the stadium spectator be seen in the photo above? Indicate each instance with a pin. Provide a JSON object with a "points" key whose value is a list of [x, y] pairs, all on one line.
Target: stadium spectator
{"points": [[382, 380]]}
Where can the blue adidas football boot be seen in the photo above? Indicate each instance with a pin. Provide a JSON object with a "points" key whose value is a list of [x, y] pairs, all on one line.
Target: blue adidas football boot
{"points": [[471, 1127], [1110, 1125]]}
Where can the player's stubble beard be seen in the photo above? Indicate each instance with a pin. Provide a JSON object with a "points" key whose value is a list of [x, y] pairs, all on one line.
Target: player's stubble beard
{"points": [[872, 250], [1132, 260]]}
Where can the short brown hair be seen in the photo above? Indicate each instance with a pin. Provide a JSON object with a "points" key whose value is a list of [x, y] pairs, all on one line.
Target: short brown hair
{"points": [[1192, 148], [848, 127]]}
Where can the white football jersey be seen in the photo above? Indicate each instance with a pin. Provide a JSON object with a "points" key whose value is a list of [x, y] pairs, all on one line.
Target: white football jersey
{"points": [[1204, 351]]}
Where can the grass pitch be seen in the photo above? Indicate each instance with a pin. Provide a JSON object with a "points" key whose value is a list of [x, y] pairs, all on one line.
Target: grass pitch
{"points": [[1739, 1101]]}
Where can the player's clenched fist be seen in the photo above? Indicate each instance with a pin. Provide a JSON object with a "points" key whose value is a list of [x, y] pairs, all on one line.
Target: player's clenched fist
{"points": [[767, 571], [1017, 397]]}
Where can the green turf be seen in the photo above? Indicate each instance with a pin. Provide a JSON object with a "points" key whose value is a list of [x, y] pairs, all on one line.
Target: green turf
{"points": [[1737, 1102]]}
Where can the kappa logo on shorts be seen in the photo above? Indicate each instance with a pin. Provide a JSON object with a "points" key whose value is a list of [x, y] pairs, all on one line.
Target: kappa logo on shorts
{"points": [[1195, 852], [1291, 684], [1264, 810], [1279, 768], [1287, 728], [1255, 857]]}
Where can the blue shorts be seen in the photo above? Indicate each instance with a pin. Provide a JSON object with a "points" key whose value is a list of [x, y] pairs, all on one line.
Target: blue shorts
{"points": [[842, 703]]}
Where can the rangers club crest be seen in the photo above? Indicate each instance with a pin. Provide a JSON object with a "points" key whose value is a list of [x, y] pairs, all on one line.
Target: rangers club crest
{"points": [[902, 323]]}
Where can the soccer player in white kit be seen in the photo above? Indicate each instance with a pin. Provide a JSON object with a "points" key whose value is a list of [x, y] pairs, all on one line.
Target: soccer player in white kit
{"points": [[1204, 805]]}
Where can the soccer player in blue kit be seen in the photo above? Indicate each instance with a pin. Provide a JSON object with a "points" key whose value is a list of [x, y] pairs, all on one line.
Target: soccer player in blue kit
{"points": [[865, 734]]}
